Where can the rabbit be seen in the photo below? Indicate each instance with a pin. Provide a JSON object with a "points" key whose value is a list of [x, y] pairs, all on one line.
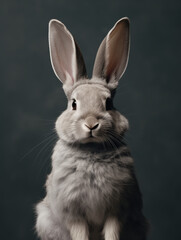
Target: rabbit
{"points": [[92, 192]]}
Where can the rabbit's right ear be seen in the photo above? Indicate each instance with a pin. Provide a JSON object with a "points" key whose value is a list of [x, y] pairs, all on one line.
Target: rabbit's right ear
{"points": [[66, 58], [112, 55]]}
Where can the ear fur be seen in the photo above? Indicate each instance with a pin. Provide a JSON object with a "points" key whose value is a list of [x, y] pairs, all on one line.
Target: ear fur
{"points": [[112, 56], [65, 55]]}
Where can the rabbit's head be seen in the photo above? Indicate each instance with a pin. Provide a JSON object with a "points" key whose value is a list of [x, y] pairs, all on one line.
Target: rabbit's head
{"points": [[90, 115]]}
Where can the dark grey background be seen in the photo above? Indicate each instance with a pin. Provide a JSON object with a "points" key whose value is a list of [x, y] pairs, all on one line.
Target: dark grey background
{"points": [[32, 98]]}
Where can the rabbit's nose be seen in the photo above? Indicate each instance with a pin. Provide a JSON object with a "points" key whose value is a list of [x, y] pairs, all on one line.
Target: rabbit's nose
{"points": [[92, 127], [91, 123]]}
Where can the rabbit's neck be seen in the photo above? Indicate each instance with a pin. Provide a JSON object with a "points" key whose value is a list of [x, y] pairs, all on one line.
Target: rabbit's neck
{"points": [[64, 152], [94, 147]]}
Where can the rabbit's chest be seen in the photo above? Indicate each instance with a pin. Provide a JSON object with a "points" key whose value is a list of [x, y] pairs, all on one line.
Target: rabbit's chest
{"points": [[89, 188], [89, 181]]}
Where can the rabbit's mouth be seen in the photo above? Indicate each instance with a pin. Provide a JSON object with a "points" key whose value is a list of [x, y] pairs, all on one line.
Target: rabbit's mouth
{"points": [[90, 138], [90, 135]]}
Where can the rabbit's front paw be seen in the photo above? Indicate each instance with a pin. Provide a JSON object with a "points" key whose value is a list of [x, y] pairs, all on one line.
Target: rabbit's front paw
{"points": [[79, 230], [112, 228]]}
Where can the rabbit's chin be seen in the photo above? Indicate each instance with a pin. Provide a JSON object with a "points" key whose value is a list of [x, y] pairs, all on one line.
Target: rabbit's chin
{"points": [[91, 140]]}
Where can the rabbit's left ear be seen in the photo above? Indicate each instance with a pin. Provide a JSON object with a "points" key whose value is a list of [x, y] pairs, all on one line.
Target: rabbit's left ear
{"points": [[65, 55], [112, 55]]}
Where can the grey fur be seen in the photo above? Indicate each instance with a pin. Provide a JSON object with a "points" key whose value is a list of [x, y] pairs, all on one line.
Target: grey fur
{"points": [[91, 192]]}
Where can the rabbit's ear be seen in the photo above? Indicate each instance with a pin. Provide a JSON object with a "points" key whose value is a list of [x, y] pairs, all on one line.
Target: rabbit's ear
{"points": [[66, 58], [112, 55]]}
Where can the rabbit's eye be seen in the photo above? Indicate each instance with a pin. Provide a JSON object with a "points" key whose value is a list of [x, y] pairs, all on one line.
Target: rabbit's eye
{"points": [[109, 104], [74, 105]]}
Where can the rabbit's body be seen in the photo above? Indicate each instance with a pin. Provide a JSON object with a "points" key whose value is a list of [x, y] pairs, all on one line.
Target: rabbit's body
{"points": [[91, 185], [92, 192]]}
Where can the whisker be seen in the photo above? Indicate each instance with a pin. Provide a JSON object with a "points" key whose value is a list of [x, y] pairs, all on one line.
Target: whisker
{"points": [[45, 146], [44, 161], [36, 146]]}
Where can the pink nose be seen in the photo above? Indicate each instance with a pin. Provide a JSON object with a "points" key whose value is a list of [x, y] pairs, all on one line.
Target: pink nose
{"points": [[91, 123]]}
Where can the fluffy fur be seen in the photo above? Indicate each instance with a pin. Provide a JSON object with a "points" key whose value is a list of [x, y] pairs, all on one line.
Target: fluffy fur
{"points": [[91, 192]]}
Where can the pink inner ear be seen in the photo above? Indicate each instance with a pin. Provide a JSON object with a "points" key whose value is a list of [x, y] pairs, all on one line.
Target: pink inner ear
{"points": [[63, 53], [114, 53], [69, 78], [67, 75], [117, 50], [73, 80], [67, 53]]}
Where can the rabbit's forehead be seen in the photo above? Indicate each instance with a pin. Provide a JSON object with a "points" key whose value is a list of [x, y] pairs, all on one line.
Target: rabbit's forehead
{"points": [[94, 91]]}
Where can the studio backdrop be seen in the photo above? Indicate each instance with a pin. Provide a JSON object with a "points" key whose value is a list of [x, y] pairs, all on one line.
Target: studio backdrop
{"points": [[32, 98]]}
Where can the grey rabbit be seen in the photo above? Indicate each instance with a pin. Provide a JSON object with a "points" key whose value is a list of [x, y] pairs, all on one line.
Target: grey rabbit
{"points": [[92, 192]]}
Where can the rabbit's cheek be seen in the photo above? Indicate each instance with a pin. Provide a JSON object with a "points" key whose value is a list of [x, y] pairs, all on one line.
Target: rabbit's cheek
{"points": [[64, 127], [123, 124], [120, 123]]}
